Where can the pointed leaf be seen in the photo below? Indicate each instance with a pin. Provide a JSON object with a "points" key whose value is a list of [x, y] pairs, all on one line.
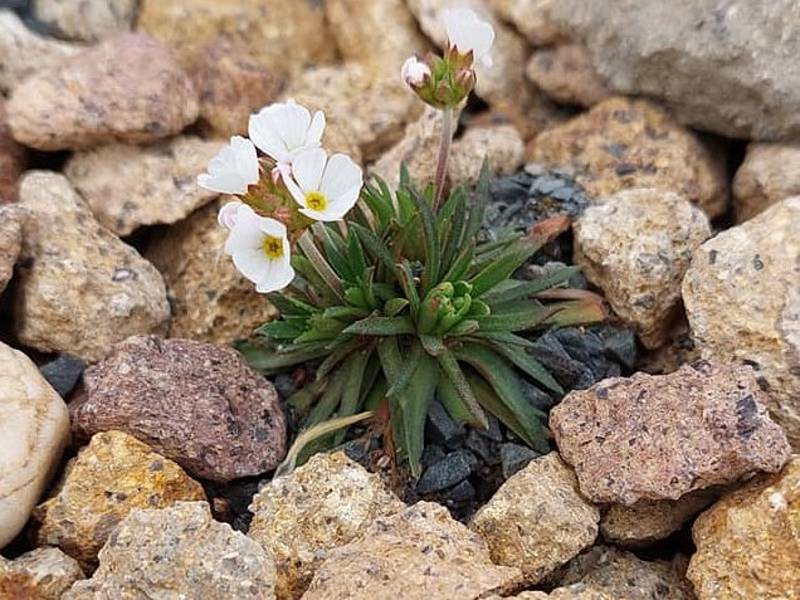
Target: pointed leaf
{"points": [[381, 326], [450, 367], [514, 290], [430, 236]]}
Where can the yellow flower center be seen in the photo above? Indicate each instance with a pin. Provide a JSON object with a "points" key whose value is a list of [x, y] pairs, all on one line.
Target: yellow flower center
{"points": [[272, 247], [316, 201]]}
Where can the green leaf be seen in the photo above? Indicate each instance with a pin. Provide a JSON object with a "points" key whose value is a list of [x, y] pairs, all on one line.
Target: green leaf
{"points": [[502, 267], [334, 252], [512, 289], [433, 344], [409, 287], [489, 400], [461, 263], [320, 265], [381, 326], [320, 328], [449, 397], [337, 354], [529, 365], [345, 312], [430, 235], [329, 400], [351, 395], [375, 246], [355, 254], [287, 305], [527, 314], [407, 368], [395, 306], [414, 404], [478, 202], [450, 367], [306, 270], [269, 361], [576, 312], [281, 330], [305, 397]]}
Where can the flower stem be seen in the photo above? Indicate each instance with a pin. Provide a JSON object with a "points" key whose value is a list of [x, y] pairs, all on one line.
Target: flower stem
{"points": [[444, 155]]}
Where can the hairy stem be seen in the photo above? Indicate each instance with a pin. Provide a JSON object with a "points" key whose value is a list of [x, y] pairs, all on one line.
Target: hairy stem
{"points": [[444, 155]]}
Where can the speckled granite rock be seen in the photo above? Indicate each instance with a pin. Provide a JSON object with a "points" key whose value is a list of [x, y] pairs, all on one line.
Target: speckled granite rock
{"points": [[500, 145], [10, 242], [418, 554], [623, 576], [748, 543], [577, 591], [623, 143], [23, 52], [636, 247], [178, 552], [532, 18], [41, 574], [129, 186], [537, 520], [126, 89], [13, 157], [301, 517], [770, 173], [112, 476], [195, 403], [190, 257], [34, 429], [660, 437], [79, 288], [742, 298], [86, 20], [565, 73]]}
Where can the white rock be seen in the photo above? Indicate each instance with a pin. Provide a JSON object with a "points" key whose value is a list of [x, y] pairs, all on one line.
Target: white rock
{"points": [[86, 20]]}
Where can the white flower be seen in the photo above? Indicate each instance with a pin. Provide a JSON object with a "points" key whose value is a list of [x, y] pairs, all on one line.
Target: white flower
{"points": [[233, 169], [227, 214], [260, 250], [284, 130], [415, 71], [325, 187], [466, 31]]}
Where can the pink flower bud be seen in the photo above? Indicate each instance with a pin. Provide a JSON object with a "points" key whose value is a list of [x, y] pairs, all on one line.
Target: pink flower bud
{"points": [[415, 72]]}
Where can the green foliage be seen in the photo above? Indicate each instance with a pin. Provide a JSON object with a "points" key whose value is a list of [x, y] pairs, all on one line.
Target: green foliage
{"points": [[400, 306]]}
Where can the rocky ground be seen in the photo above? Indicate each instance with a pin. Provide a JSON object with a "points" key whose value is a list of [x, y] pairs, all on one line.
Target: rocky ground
{"points": [[137, 448]]}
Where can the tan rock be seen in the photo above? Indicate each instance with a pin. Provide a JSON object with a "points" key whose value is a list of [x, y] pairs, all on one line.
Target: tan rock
{"points": [[276, 34], [41, 574], [565, 73], [748, 543], [299, 518], [537, 520], [10, 242], [577, 591], [190, 256], [23, 52], [418, 554], [80, 288], [178, 552], [636, 247], [742, 298], [231, 84], [130, 186], [532, 18], [34, 428], [501, 145], [12, 156], [126, 89], [86, 20], [659, 437], [623, 143], [770, 173]]}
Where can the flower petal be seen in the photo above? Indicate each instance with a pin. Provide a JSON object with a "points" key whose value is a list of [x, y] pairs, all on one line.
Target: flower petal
{"points": [[341, 176], [265, 136], [279, 275], [246, 159], [316, 129], [227, 214], [308, 167]]}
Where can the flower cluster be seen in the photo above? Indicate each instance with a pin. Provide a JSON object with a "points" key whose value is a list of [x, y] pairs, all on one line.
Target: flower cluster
{"points": [[294, 183]]}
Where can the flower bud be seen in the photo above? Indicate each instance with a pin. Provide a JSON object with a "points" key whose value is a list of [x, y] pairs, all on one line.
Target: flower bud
{"points": [[415, 72]]}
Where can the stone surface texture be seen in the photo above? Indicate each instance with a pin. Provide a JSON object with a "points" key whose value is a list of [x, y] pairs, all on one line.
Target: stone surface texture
{"points": [[565, 73], [86, 20], [195, 403], [501, 145], [128, 89], [34, 429], [660, 437], [10, 242], [178, 552], [112, 476], [742, 298], [636, 247], [324, 504], [770, 173], [418, 554], [742, 52], [41, 574], [190, 256], [624, 143], [748, 543], [80, 289], [532, 18], [130, 186], [537, 520], [13, 157]]}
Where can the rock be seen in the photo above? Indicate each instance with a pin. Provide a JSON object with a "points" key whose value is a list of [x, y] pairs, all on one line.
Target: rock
{"points": [[10, 243], [63, 373], [648, 521], [748, 543], [197, 404], [130, 186], [532, 18], [76, 277], [770, 173], [441, 429], [231, 84], [178, 552], [659, 437], [514, 457], [191, 258], [537, 520], [275, 34], [34, 429], [112, 476], [636, 247], [41, 574], [577, 591], [417, 554], [742, 299], [86, 20], [12, 155], [23, 52], [500, 145], [622, 575], [301, 517], [126, 89], [565, 73], [749, 85], [623, 143], [452, 469]]}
